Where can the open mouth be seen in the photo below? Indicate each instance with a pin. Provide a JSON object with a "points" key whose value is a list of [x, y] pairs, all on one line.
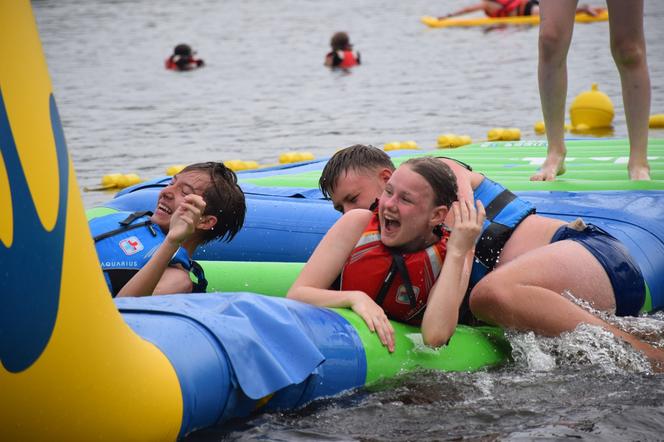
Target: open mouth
{"points": [[165, 209], [390, 225]]}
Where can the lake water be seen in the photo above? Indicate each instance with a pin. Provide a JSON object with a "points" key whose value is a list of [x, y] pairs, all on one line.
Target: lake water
{"points": [[264, 91]]}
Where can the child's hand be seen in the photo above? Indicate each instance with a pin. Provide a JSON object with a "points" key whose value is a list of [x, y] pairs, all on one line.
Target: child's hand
{"points": [[185, 218], [375, 317], [468, 222]]}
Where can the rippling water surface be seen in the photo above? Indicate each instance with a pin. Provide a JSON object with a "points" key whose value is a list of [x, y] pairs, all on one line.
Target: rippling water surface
{"points": [[264, 91]]}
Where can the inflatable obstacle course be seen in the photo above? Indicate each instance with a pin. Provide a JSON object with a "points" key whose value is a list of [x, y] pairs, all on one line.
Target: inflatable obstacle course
{"points": [[74, 368], [75, 365], [287, 218]]}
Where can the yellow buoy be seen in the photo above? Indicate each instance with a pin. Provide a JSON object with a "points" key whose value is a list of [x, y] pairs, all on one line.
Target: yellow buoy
{"points": [[592, 108], [174, 169], [539, 127], [234, 165], [393, 145], [408, 145], [287, 157], [656, 121], [128, 179], [512, 134], [306, 156], [447, 141], [495, 134], [504, 134], [452, 141], [464, 140], [295, 157], [110, 181]]}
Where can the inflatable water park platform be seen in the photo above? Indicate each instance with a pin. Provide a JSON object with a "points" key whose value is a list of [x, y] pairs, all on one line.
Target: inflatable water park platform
{"points": [[79, 365], [287, 215]]}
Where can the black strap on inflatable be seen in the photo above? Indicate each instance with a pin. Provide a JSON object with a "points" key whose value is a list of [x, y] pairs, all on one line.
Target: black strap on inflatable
{"points": [[126, 225]]}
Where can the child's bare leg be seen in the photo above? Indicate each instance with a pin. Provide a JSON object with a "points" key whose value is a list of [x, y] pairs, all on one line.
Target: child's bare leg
{"points": [[628, 47], [556, 26]]}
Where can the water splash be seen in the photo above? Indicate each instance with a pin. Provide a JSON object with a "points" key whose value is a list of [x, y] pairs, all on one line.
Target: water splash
{"points": [[586, 345]]}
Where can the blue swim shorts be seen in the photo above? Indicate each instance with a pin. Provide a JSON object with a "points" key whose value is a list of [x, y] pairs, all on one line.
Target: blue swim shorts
{"points": [[629, 287]]}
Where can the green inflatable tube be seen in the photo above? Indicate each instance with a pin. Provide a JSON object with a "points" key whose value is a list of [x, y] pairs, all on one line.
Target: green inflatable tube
{"points": [[469, 349]]}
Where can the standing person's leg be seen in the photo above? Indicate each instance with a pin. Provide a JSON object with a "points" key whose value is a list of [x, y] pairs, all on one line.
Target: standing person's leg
{"points": [[527, 294], [628, 47], [555, 36]]}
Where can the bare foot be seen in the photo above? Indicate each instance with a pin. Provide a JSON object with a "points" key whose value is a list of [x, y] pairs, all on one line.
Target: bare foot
{"points": [[553, 166], [587, 9], [639, 173]]}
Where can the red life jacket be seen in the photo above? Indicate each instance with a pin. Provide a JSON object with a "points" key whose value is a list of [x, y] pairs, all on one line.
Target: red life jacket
{"points": [[349, 59], [402, 280], [507, 7], [177, 64]]}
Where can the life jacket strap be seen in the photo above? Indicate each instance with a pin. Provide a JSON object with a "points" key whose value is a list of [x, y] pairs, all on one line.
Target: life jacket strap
{"points": [[201, 284], [134, 216], [494, 237], [398, 265], [126, 225], [498, 204]]}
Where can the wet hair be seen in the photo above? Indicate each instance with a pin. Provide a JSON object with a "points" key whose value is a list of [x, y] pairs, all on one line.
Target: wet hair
{"points": [[358, 157], [339, 41], [184, 50], [439, 176], [224, 199]]}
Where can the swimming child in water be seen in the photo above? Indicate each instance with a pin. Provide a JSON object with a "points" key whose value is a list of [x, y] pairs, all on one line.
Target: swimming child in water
{"points": [[342, 54], [183, 59]]}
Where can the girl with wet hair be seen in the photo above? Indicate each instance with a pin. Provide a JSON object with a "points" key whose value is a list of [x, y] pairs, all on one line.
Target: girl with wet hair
{"points": [[398, 262]]}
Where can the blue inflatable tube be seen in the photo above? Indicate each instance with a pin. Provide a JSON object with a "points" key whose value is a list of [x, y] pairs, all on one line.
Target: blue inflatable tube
{"points": [[282, 226], [239, 352], [286, 224]]}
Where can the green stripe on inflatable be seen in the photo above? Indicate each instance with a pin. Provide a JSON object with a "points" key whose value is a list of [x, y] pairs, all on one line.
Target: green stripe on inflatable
{"points": [[591, 165], [267, 278], [647, 304], [96, 212], [470, 349]]}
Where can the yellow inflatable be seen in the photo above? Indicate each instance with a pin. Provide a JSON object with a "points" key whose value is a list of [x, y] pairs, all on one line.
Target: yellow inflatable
{"points": [[434, 22], [71, 368]]}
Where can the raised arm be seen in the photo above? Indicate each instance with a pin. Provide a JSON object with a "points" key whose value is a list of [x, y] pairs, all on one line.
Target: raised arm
{"points": [[157, 277], [325, 265], [442, 312], [464, 178]]}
